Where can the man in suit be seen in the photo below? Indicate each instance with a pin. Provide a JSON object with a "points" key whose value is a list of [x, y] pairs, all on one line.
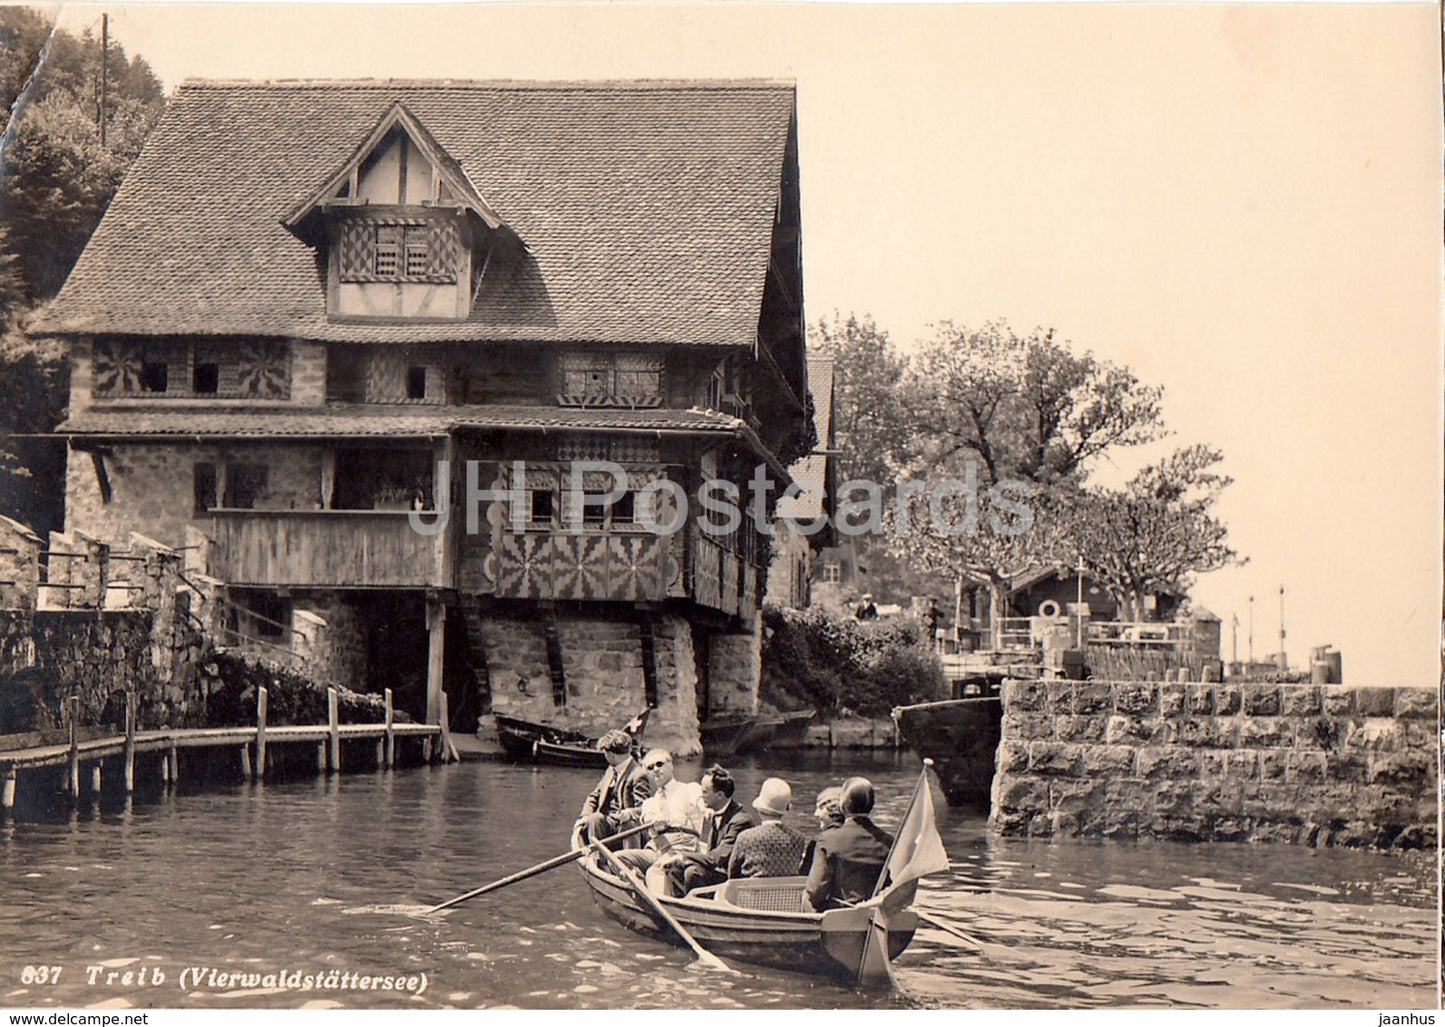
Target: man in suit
{"points": [[726, 820], [616, 801], [848, 860]]}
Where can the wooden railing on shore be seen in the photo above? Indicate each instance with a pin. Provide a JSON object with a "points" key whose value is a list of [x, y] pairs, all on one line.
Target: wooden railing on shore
{"points": [[248, 740]]}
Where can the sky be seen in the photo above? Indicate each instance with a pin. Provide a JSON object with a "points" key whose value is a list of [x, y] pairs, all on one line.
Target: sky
{"points": [[1240, 202]]}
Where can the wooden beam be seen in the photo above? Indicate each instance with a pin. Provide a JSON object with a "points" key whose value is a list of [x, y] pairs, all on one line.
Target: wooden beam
{"points": [[72, 778], [333, 721], [129, 751], [7, 799], [390, 731], [260, 733], [436, 626]]}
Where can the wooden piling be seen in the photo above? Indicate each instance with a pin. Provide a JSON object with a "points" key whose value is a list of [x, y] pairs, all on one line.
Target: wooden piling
{"points": [[333, 723], [246, 761], [390, 731], [320, 757], [165, 769], [173, 759], [380, 753], [95, 777], [73, 774], [129, 751], [260, 768], [448, 750], [7, 797]]}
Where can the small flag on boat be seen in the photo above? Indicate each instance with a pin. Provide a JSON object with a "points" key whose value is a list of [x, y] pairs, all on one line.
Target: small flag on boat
{"points": [[918, 850]]}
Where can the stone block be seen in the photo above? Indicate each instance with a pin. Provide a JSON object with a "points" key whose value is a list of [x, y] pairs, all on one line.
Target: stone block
{"points": [[1305, 766], [1118, 824], [1013, 757], [1419, 735], [1300, 700], [1216, 799], [1337, 700], [1375, 702], [1406, 769], [1208, 733], [1123, 730], [1172, 699], [1024, 695], [1375, 734], [1199, 700], [1074, 796], [1261, 700], [1137, 698], [1009, 823], [1347, 766], [1183, 827], [1416, 704], [1213, 763], [1240, 764], [1174, 762], [1022, 793], [1079, 729], [1055, 759], [1273, 765], [1109, 761], [1226, 699], [1266, 732], [1027, 725], [1059, 697], [1091, 697], [1070, 824], [1320, 732], [1231, 829]]}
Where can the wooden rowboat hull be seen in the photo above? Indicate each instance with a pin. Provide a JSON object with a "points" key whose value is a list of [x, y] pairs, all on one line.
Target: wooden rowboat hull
{"points": [[827, 944], [538, 743]]}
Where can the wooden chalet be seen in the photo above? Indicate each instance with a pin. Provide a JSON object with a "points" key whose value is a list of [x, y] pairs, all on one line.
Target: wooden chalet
{"points": [[308, 295]]}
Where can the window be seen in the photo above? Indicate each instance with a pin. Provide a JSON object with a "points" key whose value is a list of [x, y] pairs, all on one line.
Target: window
{"points": [[832, 572], [593, 509], [245, 484], [416, 383], [622, 510], [541, 506], [206, 378], [400, 250], [153, 376], [204, 483], [610, 379]]}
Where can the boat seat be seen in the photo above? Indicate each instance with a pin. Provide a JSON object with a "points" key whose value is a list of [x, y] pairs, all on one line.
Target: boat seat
{"points": [[767, 894]]}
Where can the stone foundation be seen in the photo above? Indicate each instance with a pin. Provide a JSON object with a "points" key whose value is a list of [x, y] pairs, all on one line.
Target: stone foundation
{"points": [[1308, 764], [605, 680]]}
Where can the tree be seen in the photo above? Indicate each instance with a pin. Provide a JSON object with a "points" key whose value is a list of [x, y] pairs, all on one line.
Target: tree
{"points": [[868, 414], [989, 407], [55, 183], [1025, 407], [1157, 532]]}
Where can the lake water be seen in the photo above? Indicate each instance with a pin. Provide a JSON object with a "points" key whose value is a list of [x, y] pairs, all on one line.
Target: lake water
{"points": [[324, 875]]}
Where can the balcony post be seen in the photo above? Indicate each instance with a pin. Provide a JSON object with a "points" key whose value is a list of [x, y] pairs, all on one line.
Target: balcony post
{"points": [[436, 625]]}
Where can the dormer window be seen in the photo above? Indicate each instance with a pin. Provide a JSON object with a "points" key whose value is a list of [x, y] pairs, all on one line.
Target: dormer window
{"points": [[408, 233]]}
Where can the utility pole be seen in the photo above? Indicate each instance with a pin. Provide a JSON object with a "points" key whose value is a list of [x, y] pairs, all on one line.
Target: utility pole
{"points": [[1234, 639], [104, 63], [1251, 630], [1283, 660]]}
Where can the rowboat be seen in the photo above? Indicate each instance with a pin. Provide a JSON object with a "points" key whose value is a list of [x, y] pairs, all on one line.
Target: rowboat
{"points": [[760, 920], [541, 743]]}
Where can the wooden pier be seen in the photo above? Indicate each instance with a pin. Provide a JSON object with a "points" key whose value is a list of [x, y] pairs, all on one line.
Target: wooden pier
{"points": [[252, 743]]}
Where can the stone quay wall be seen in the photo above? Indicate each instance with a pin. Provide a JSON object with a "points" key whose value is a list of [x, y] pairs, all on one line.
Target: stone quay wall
{"points": [[1304, 764]]}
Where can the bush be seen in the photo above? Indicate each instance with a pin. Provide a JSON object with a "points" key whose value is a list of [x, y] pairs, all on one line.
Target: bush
{"points": [[230, 683], [835, 663]]}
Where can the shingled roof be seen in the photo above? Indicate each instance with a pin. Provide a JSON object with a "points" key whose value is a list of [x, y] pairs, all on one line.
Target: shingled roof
{"points": [[646, 210]]}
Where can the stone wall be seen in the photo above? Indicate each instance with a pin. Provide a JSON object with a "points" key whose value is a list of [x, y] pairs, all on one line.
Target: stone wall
{"points": [[734, 666], [602, 665], [152, 486], [1308, 764]]}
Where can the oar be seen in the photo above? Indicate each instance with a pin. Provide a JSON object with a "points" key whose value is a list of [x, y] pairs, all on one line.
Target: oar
{"points": [[650, 901], [522, 875], [944, 925]]}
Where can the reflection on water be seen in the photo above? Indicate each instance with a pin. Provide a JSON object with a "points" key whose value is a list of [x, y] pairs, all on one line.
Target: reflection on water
{"points": [[329, 876]]}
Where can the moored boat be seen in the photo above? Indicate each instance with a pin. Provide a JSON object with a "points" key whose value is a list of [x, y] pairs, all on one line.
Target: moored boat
{"points": [[722, 734], [541, 743], [961, 736], [761, 920]]}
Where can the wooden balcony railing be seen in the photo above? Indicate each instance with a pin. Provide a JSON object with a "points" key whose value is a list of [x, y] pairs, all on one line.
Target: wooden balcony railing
{"points": [[333, 548]]}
